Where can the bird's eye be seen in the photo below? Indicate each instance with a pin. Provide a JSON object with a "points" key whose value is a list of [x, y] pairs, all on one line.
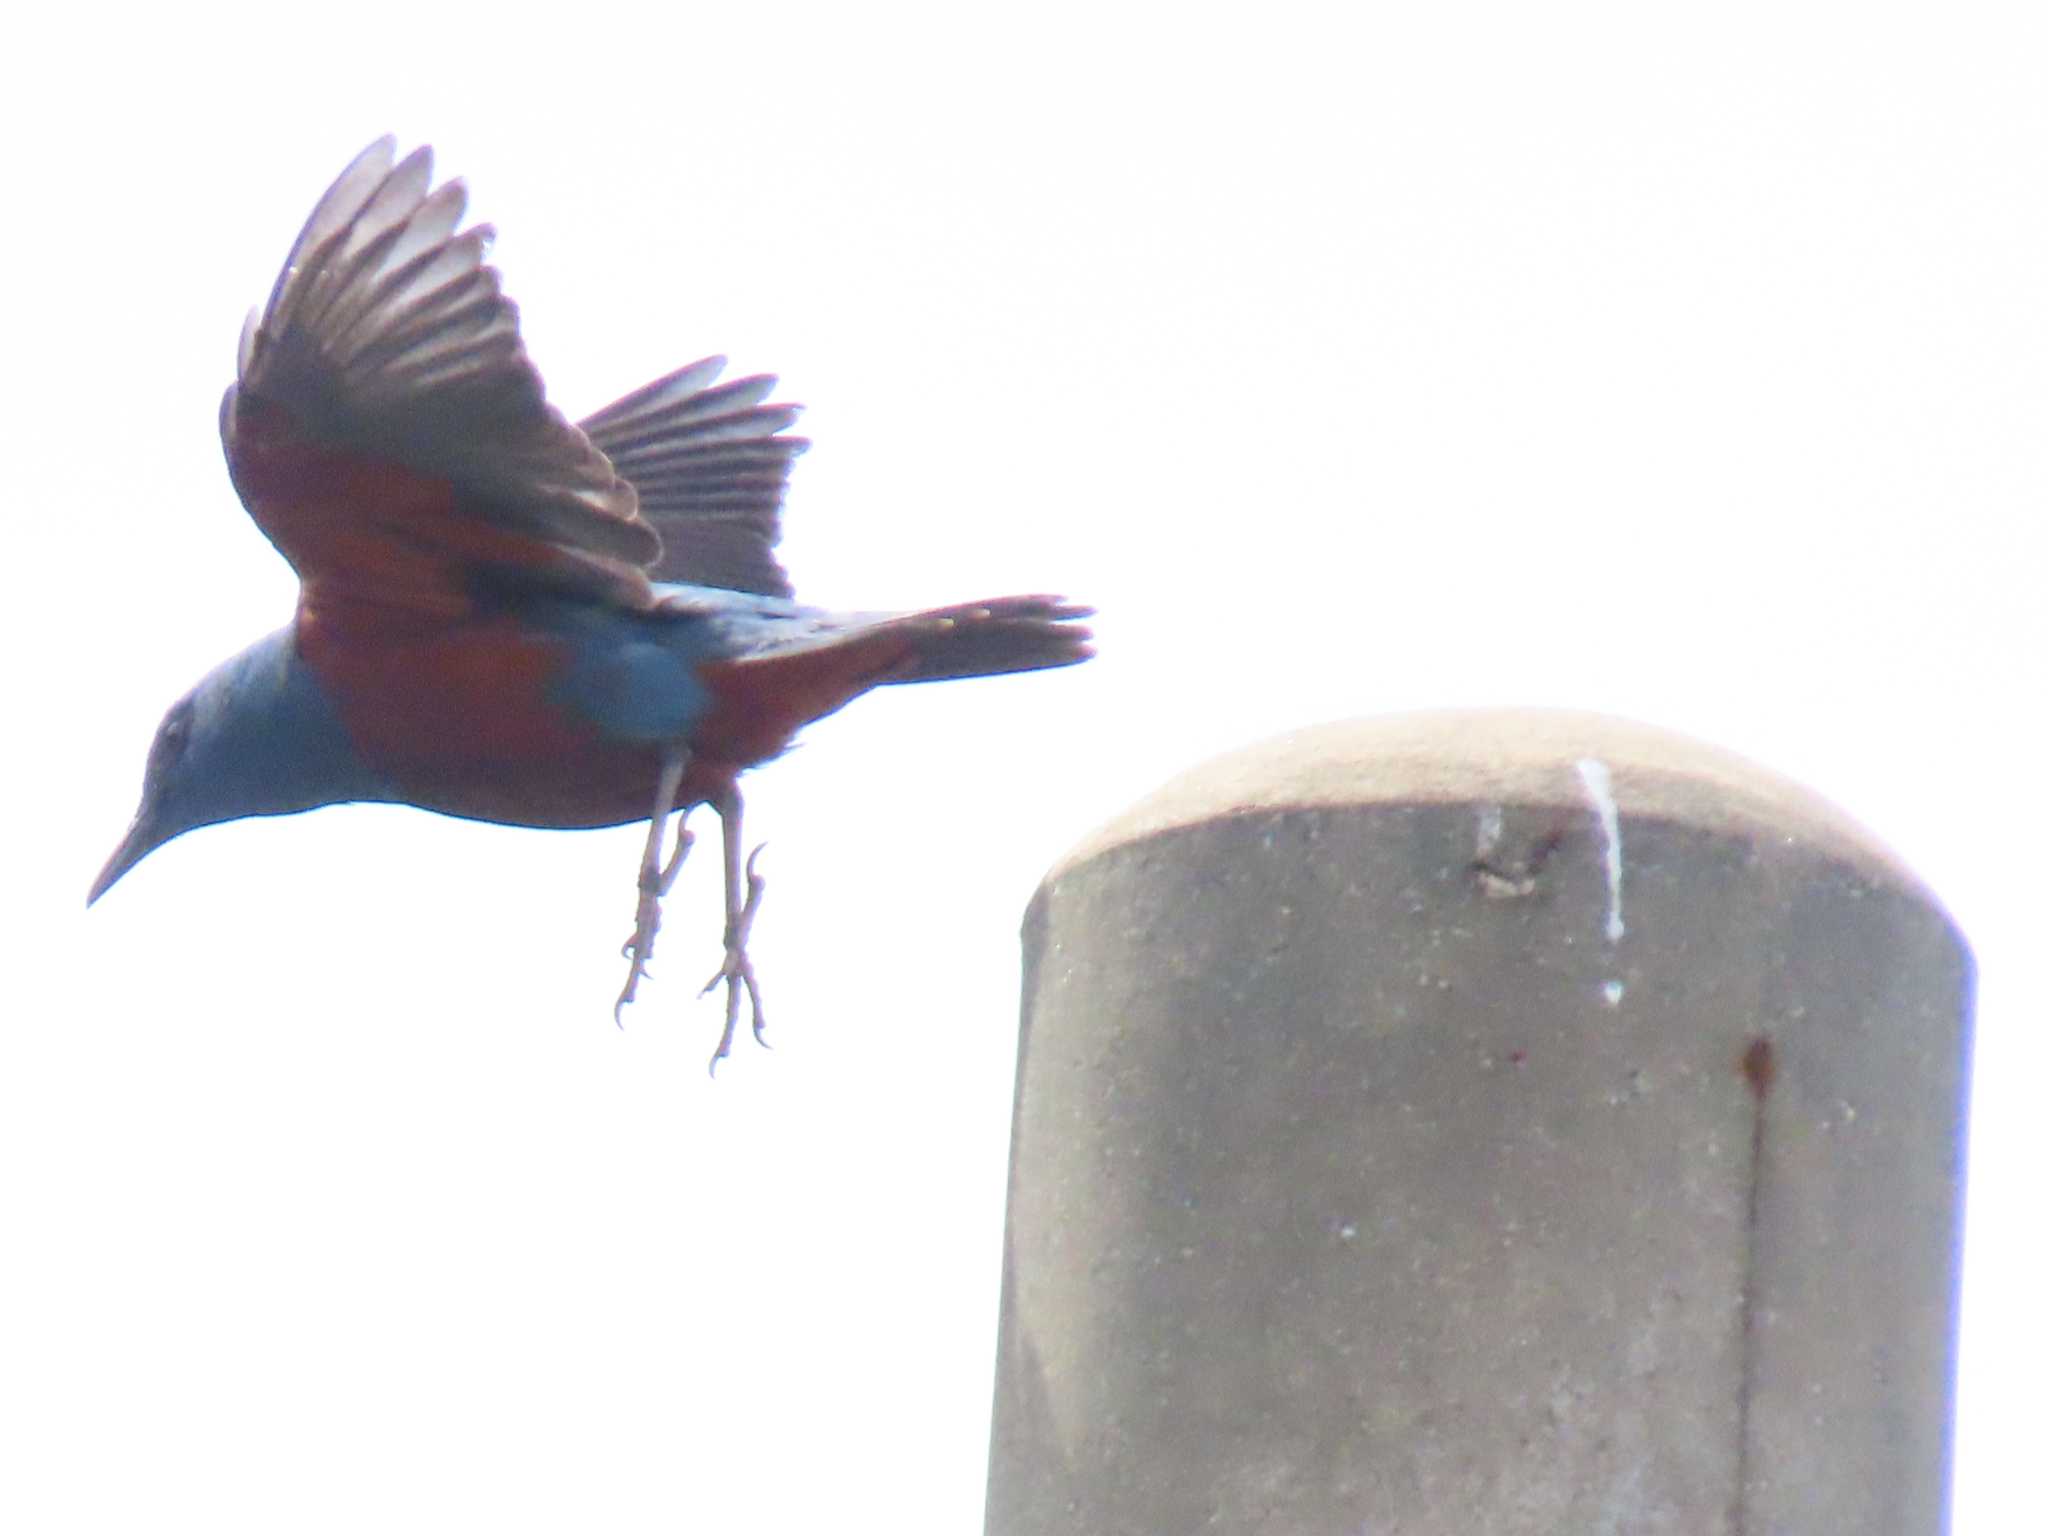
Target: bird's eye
{"points": [[170, 739]]}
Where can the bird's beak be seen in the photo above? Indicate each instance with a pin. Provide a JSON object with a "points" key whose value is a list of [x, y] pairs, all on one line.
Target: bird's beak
{"points": [[141, 837]]}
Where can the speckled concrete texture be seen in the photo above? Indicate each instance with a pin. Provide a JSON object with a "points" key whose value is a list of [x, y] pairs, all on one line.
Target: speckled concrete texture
{"points": [[1482, 1123]]}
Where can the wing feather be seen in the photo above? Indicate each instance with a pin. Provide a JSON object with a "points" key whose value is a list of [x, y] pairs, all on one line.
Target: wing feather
{"points": [[388, 340], [710, 464]]}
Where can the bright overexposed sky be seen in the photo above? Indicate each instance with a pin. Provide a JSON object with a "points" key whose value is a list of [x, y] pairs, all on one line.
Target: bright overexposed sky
{"points": [[1685, 363]]}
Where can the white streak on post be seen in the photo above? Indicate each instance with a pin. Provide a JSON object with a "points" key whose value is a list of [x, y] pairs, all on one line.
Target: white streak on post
{"points": [[1600, 791]]}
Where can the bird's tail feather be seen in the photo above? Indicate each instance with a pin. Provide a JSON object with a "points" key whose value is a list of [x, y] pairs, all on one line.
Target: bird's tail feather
{"points": [[985, 639]]}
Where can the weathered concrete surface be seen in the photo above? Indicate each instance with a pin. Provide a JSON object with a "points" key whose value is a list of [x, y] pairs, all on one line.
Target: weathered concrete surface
{"points": [[1395, 1154]]}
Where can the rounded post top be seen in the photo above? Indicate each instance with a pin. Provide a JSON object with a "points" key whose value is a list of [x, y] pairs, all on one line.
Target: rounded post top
{"points": [[1512, 757]]}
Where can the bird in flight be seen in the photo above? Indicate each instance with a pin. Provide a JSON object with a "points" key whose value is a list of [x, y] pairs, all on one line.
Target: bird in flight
{"points": [[506, 616]]}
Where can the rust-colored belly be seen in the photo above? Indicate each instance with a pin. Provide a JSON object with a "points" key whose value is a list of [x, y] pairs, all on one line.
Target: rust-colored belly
{"points": [[465, 715], [463, 719]]}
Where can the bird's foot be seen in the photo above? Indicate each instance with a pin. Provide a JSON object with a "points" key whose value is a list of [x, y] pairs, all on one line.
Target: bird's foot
{"points": [[737, 972], [638, 950], [656, 877]]}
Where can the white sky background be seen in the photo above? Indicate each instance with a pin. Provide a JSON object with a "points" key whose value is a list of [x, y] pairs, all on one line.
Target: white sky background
{"points": [[1690, 369]]}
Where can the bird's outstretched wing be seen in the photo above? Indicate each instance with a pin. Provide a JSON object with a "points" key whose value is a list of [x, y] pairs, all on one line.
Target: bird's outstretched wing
{"points": [[710, 469], [387, 429]]}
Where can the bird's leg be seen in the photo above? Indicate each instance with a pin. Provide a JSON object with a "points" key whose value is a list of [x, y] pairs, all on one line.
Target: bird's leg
{"points": [[655, 876], [738, 970]]}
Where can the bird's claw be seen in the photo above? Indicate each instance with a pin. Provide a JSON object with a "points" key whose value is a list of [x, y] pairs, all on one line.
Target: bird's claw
{"points": [[737, 971], [640, 947], [655, 879], [637, 951]]}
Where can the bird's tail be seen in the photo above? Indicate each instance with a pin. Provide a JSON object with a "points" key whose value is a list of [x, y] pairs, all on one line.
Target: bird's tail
{"points": [[761, 700], [985, 639]]}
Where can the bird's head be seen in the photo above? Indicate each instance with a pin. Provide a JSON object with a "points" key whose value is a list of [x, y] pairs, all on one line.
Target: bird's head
{"points": [[255, 738], [152, 825]]}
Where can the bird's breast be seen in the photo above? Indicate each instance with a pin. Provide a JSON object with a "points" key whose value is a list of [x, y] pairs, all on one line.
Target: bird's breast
{"points": [[561, 718], [468, 718]]}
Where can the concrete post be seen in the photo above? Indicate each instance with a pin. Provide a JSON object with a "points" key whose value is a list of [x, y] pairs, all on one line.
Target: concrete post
{"points": [[1482, 1123]]}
